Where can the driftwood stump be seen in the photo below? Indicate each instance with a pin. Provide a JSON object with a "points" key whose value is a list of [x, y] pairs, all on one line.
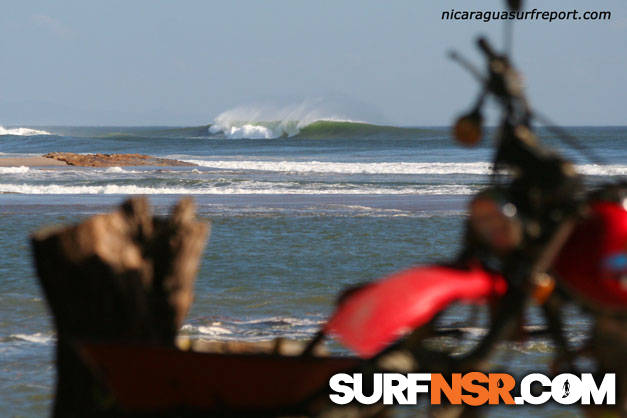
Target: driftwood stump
{"points": [[124, 276]]}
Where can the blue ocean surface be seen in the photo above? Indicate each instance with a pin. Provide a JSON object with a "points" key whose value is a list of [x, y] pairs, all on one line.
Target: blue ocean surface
{"points": [[299, 211]]}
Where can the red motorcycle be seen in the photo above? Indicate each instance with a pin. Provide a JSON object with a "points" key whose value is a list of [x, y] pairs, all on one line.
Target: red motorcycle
{"points": [[535, 233]]}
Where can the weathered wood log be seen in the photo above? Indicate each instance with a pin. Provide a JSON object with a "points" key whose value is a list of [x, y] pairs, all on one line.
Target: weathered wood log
{"points": [[124, 276]]}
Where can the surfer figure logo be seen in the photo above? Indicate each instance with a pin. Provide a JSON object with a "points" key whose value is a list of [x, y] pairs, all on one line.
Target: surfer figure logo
{"points": [[566, 389]]}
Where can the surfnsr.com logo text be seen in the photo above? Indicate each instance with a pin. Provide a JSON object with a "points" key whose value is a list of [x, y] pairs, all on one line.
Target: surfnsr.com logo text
{"points": [[474, 389]]}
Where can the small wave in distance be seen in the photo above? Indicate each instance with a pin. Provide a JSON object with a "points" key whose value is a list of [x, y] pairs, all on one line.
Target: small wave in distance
{"points": [[22, 131]]}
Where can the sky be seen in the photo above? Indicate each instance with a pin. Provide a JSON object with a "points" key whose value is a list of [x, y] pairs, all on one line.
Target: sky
{"points": [[185, 62]]}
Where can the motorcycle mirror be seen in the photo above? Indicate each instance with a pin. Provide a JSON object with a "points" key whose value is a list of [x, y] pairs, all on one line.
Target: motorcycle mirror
{"points": [[467, 129], [515, 5]]}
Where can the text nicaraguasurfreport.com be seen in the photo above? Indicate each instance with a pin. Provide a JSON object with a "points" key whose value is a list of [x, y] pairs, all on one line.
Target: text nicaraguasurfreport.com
{"points": [[529, 15]]}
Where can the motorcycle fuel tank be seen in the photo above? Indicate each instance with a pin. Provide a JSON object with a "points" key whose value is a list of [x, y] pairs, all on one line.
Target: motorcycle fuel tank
{"points": [[593, 263]]}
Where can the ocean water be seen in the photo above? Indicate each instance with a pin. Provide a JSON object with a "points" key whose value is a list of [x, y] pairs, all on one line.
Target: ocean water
{"points": [[300, 210]]}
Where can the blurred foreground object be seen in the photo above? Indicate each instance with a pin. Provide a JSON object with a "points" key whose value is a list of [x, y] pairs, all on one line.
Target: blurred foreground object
{"points": [[467, 129], [123, 276]]}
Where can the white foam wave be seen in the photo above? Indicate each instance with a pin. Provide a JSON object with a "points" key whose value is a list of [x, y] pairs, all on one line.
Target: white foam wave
{"points": [[274, 320], [349, 168], [473, 168], [251, 188], [254, 329], [602, 170], [37, 338], [14, 170], [248, 131], [215, 329], [113, 170], [22, 131]]}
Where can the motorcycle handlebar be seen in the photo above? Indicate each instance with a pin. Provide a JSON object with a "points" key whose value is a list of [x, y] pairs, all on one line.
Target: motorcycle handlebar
{"points": [[486, 48]]}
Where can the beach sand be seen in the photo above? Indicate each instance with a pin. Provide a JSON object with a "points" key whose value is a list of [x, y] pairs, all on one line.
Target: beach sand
{"points": [[29, 162], [89, 160]]}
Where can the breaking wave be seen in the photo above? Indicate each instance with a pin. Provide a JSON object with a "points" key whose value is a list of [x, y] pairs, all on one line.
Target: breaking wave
{"points": [[266, 122], [247, 131], [22, 131], [303, 120], [319, 129]]}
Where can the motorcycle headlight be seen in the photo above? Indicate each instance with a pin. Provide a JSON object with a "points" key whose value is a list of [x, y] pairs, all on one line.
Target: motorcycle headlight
{"points": [[467, 129]]}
